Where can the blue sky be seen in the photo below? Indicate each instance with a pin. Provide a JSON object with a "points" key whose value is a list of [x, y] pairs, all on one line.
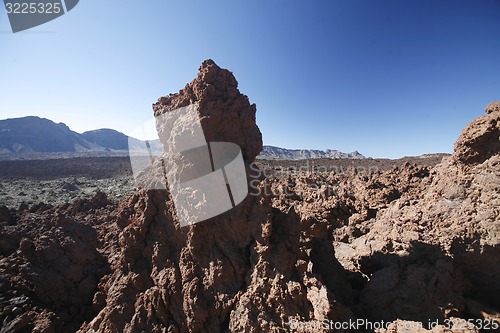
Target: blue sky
{"points": [[388, 78]]}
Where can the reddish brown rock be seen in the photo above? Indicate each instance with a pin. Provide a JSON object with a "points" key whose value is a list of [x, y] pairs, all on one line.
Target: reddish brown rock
{"points": [[243, 270], [49, 271], [413, 244], [226, 114], [410, 245], [481, 138], [493, 107]]}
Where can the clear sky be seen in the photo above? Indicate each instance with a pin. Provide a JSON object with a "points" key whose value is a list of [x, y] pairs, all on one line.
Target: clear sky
{"points": [[388, 78]]}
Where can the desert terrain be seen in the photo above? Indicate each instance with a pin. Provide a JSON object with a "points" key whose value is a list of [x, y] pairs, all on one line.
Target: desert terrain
{"points": [[409, 245], [57, 181]]}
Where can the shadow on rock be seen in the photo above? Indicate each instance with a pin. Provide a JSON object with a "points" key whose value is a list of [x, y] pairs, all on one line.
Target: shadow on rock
{"points": [[422, 286]]}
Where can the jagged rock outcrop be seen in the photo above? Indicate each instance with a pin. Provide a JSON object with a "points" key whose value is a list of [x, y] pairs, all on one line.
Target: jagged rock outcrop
{"points": [[226, 114], [445, 231], [236, 272], [493, 107], [411, 246], [50, 266], [481, 138], [239, 271]]}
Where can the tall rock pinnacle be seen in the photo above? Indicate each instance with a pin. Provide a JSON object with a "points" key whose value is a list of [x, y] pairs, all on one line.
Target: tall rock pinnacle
{"points": [[226, 114]]}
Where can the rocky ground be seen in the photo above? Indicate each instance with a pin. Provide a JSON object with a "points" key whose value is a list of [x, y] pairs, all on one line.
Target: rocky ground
{"points": [[55, 182], [63, 180], [403, 248]]}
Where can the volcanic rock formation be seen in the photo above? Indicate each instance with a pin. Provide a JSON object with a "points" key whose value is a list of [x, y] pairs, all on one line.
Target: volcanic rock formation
{"points": [[226, 114], [479, 140], [240, 271], [408, 246]]}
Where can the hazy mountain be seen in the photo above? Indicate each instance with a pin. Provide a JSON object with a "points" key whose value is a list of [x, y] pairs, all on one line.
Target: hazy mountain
{"points": [[271, 152], [34, 134], [31, 135], [107, 138], [39, 138]]}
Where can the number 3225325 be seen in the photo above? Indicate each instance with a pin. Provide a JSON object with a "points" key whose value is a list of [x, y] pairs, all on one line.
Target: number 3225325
{"points": [[33, 8]]}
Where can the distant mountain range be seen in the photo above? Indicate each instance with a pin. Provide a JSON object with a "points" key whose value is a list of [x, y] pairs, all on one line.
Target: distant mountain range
{"points": [[271, 152], [35, 135], [107, 138], [39, 135]]}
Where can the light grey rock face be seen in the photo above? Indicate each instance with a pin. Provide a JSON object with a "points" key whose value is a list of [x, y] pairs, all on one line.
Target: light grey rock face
{"points": [[271, 152]]}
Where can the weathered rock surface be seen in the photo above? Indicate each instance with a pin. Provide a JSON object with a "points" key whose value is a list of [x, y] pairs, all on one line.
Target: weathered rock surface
{"points": [[493, 107], [226, 114], [50, 265], [240, 271], [481, 138], [410, 245]]}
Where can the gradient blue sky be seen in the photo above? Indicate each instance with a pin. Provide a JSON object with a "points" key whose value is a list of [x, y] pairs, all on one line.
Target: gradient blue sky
{"points": [[388, 78]]}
